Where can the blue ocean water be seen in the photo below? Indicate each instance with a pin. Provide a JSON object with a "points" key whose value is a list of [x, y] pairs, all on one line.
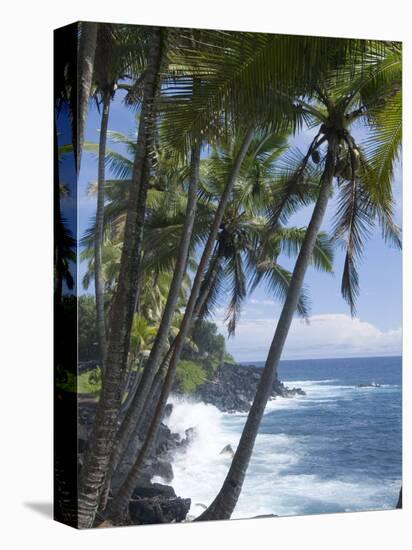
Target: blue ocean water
{"points": [[338, 448]]}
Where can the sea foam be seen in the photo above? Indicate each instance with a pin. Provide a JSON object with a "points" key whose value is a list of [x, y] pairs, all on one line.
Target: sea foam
{"points": [[278, 481]]}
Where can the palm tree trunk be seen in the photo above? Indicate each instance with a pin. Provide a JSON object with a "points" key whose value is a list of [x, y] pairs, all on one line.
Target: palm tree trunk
{"points": [[130, 386], [140, 398], [98, 238], [120, 501], [399, 503], [223, 505], [97, 455], [147, 414], [87, 50], [206, 287]]}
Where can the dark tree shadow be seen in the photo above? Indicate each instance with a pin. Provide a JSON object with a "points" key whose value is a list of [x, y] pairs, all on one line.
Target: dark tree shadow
{"points": [[42, 508]]}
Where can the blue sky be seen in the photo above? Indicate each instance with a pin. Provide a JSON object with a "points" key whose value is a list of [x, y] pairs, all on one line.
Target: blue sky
{"points": [[331, 332]]}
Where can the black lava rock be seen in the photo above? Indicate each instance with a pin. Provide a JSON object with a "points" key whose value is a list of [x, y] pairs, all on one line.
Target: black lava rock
{"points": [[158, 510], [233, 388], [154, 490]]}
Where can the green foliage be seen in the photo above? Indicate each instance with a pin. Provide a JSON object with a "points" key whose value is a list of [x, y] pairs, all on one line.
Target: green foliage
{"points": [[189, 376], [85, 383], [243, 74], [209, 365], [208, 341], [203, 353], [95, 377], [142, 334], [228, 358], [88, 349]]}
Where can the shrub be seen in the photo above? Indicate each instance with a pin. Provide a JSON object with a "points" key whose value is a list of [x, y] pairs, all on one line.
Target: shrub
{"points": [[189, 376]]}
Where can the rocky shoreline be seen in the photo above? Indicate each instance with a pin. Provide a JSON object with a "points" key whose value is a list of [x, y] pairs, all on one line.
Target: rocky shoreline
{"points": [[151, 502], [231, 390]]}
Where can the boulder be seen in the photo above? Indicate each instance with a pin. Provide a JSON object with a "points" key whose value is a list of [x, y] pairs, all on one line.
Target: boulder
{"points": [[227, 450], [158, 510], [168, 410], [190, 434], [154, 490], [163, 469], [165, 440]]}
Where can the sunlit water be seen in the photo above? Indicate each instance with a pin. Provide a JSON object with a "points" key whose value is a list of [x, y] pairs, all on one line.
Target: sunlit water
{"points": [[336, 449]]}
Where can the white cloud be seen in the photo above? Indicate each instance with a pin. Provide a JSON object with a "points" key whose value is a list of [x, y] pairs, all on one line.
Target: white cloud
{"points": [[328, 335], [262, 302]]}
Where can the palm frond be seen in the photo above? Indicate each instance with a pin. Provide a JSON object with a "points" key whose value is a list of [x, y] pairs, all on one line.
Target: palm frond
{"points": [[353, 226], [240, 75], [237, 282], [276, 279], [291, 240], [383, 145]]}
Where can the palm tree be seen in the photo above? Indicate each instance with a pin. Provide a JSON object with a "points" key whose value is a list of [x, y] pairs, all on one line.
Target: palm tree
{"points": [[120, 501], [116, 53], [106, 75], [264, 149], [98, 452], [143, 389], [245, 250], [73, 74], [339, 103], [87, 51], [242, 72], [279, 278]]}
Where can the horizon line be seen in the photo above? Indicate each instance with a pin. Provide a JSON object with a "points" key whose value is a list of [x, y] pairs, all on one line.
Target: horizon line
{"points": [[326, 358]]}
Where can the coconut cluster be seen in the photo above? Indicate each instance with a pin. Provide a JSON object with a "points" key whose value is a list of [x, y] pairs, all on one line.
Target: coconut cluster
{"points": [[348, 161]]}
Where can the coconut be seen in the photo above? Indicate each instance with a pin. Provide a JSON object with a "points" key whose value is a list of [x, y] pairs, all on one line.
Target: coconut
{"points": [[316, 157], [356, 158], [340, 166]]}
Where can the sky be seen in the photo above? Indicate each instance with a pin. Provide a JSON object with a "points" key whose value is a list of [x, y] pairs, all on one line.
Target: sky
{"points": [[330, 332]]}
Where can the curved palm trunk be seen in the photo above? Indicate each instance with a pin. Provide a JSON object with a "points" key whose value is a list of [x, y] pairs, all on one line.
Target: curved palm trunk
{"points": [[159, 376], [87, 50], [399, 503], [117, 457], [205, 288], [140, 399], [119, 502], [98, 237], [130, 388], [223, 505], [151, 399], [97, 455]]}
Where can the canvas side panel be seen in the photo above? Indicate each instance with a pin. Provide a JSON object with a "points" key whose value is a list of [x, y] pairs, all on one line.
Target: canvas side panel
{"points": [[65, 274]]}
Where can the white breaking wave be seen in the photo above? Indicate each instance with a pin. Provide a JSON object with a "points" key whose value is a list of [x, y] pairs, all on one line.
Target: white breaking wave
{"points": [[269, 488], [200, 470]]}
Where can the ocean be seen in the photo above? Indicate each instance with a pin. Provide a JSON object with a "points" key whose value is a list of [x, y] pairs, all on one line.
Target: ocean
{"points": [[336, 449]]}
